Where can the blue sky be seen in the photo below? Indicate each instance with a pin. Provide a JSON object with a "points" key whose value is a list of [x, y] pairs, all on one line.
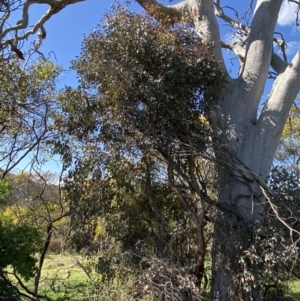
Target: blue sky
{"points": [[66, 30]]}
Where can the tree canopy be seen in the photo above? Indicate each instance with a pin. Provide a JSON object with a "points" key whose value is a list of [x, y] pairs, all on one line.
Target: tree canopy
{"points": [[157, 125]]}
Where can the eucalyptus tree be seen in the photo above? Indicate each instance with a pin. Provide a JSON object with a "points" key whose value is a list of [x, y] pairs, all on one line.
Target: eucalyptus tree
{"points": [[136, 115], [245, 135], [131, 72], [27, 106]]}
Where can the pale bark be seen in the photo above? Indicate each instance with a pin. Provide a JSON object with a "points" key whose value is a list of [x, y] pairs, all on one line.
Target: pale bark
{"points": [[243, 137], [278, 64], [202, 12], [251, 137], [54, 7], [276, 110]]}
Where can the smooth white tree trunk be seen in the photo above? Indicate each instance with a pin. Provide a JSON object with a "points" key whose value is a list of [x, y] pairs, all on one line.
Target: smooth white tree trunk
{"points": [[245, 138], [241, 132]]}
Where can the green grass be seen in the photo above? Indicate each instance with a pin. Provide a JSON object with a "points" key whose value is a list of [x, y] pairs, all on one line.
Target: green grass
{"points": [[294, 289], [63, 278], [72, 277]]}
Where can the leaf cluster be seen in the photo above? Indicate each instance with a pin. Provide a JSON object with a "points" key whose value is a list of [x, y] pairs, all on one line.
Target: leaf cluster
{"points": [[18, 246], [140, 76], [143, 94], [26, 105]]}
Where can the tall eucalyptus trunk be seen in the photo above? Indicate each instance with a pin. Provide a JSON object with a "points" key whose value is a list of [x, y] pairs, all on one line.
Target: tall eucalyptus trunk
{"points": [[244, 137]]}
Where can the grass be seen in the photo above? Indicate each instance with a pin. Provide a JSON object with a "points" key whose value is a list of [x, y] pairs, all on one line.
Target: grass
{"points": [[64, 278], [294, 289], [73, 277]]}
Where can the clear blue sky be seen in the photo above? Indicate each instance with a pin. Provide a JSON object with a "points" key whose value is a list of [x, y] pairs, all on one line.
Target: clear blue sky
{"points": [[66, 30]]}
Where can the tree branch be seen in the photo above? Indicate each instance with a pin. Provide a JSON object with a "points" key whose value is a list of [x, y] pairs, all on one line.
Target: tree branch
{"points": [[161, 12], [220, 13], [236, 48], [55, 7], [260, 44], [259, 51], [202, 13], [275, 112], [278, 64]]}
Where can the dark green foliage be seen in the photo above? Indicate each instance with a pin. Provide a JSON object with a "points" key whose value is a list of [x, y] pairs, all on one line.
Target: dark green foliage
{"points": [[4, 192], [137, 75], [152, 77], [140, 98], [139, 106], [17, 248], [285, 184], [18, 245]]}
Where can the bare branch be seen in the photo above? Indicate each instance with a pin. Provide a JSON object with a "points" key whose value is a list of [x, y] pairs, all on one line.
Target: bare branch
{"points": [[275, 210], [55, 7], [238, 25], [278, 64], [282, 45], [237, 49]]}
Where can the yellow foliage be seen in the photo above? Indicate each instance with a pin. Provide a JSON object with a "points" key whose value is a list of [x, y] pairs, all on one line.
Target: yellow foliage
{"points": [[292, 126], [203, 120], [14, 214], [98, 231], [112, 181], [62, 222], [45, 70]]}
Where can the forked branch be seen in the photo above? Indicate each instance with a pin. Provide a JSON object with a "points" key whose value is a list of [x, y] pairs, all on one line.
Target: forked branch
{"points": [[55, 7]]}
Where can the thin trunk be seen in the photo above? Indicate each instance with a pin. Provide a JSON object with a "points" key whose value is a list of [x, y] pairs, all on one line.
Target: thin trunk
{"points": [[160, 223], [42, 258], [201, 245], [196, 213]]}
